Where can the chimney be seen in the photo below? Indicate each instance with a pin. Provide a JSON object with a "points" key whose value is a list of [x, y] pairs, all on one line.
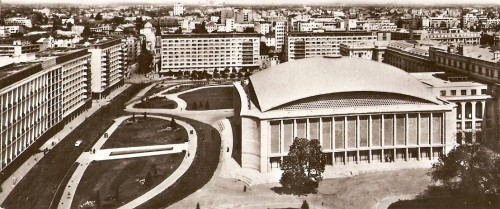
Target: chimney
{"points": [[460, 49]]}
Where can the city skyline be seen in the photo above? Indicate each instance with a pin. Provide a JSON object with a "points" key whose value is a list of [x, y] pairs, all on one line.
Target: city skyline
{"points": [[261, 2]]}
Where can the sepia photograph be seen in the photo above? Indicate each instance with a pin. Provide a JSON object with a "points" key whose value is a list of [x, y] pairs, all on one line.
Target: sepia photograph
{"points": [[227, 104]]}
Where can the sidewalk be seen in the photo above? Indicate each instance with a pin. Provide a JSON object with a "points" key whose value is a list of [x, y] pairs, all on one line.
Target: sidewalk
{"points": [[104, 154], [7, 186]]}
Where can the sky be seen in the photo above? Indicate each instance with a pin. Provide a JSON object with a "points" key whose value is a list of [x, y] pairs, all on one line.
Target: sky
{"points": [[305, 2]]}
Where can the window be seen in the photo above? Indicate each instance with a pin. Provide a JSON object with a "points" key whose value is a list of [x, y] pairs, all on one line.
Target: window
{"points": [[473, 92], [453, 92], [463, 92], [443, 93], [483, 91]]}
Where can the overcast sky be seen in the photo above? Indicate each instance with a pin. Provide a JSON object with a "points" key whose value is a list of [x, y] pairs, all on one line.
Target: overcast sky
{"points": [[492, 2]]}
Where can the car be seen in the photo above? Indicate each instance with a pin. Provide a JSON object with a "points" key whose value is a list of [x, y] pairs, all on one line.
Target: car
{"points": [[77, 143]]}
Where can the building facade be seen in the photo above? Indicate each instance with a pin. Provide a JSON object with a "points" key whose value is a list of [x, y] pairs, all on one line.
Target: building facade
{"points": [[107, 67], [359, 110], [38, 98], [411, 57], [189, 52], [299, 45]]}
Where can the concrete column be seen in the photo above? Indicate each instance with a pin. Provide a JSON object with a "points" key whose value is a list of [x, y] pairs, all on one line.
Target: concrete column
{"points": [[308, 131], [294, 129], [473, 114], [281, 137], [406, 137], [418, 135], [265, 146], [382, 137], [332, 128], [370, 138], [462, 119], [357, 139], [431, 135], [320, 129], [345, 139]]}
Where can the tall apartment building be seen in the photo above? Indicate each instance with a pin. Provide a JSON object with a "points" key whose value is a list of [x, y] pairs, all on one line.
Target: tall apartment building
{"points": [[280, 29], [299, 45], [107, 67], [189, 52], [37, 98], [178, 9], [244, 16]]}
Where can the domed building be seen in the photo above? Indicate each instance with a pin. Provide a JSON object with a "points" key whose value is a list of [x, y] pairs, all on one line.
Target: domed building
{"points": [[361, 111]]}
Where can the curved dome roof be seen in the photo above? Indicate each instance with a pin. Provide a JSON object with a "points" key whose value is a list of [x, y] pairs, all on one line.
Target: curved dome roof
{"points": [[305, 78]]}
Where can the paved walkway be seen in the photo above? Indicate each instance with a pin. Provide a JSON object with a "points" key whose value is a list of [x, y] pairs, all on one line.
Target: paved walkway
{"points": [[105, 154], [7, 186]]}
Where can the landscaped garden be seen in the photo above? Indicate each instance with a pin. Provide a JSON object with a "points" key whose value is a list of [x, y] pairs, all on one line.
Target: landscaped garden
{"points": [[145, 132], [181, 88], [212, 98], [156, 103], [116, 182]]}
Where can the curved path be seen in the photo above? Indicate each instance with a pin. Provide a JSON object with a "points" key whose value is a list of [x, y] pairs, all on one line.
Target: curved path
{"points": [[104, 154], [386, 202]]}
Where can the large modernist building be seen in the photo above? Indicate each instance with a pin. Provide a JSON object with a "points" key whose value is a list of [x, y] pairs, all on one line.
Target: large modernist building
{"points": [[360, 110], [108, 66], [189, 52], [299, 45], [37, 98]]}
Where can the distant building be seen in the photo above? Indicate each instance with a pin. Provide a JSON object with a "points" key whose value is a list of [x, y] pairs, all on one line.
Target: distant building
{"points": [[17, 48], [20, 21], [7, 31], [190, 52], [301, 45], [107, 66], [178, 9], [411, 57]]}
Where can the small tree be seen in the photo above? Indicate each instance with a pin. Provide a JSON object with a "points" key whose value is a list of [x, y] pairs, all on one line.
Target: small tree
{"points": [[173, 124], [145, 116], [201, 105], [303, 168], [197, 205], [195, 106], [305, 205], [206, 105], [148, 180]]}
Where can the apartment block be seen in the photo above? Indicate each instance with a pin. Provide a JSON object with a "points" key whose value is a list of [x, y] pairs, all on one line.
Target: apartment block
{"points": [[108, 66], [189, 52], [301, 45], [37, 98]]}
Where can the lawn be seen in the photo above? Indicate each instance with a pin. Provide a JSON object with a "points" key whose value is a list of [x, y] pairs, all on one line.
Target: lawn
{"points": [[199, 173], [37, 188], [122, 178], [181, 88], [145, 133], [215, 97], [157, 103]]}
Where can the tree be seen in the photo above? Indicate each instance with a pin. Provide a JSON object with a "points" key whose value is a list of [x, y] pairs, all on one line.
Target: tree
{"points": [[305, 205], [206, 105], [98, 16], [201, 105], [303, 167], [178, 31], [145, 59], [139, 23], [69, 25], [148, 180], [197, 205], [86, 32], [468, 171], [173, 124], [195, 106]]}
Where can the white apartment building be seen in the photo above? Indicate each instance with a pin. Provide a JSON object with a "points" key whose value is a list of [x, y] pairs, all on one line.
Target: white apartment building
{"points": [[107, 67], [19, 21], [280, 29], [189, 52], [178, 9], [37, 98], [301, 45], [6, 31]]}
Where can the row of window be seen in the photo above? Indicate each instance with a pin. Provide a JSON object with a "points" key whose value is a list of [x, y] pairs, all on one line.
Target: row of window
{"points": [[463, 92]]}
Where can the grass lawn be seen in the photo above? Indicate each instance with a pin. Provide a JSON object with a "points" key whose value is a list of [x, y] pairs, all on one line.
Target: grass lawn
{"points": [[39, 185], [157, 103], [123, 175], [199, 173], [144, 133], [216, 97], [180, 88]]}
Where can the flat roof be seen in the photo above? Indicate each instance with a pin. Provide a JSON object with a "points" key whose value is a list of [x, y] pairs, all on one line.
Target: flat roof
{"points": [[431, 79], [210, 35]]}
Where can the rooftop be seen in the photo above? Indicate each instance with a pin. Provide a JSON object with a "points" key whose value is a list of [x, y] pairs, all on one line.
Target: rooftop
{"points": [[305, 78], [441, 79]]}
